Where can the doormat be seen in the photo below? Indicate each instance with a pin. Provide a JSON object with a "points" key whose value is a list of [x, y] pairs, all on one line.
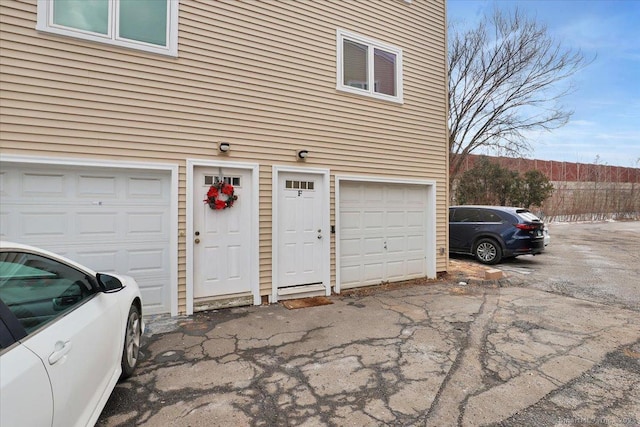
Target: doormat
{"points": [[292, 304]]}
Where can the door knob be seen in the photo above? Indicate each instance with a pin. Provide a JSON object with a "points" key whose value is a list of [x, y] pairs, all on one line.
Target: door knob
{"points": [[319, 236], [197, 241]]}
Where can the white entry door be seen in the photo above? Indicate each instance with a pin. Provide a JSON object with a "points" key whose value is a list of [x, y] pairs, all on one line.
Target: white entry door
{"points": [[300, 246], [221, 240]]}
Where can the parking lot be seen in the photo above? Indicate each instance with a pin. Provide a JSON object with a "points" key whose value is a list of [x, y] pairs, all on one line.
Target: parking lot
{"points": [[594, 261], [558, 343]]}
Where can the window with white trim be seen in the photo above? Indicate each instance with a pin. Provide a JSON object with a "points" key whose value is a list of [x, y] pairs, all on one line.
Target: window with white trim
{"points": [[148, 25], [368, 67]]}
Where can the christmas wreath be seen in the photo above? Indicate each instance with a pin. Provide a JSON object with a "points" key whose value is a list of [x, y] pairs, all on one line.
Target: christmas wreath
{"points": [[214, 193]]}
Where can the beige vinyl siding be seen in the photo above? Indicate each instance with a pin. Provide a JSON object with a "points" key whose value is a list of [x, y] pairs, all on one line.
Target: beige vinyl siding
{"points": [[259, 75]]}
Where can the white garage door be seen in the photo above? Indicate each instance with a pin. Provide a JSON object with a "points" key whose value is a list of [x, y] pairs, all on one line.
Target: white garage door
{"points": [[382, 232], [111, 220]]}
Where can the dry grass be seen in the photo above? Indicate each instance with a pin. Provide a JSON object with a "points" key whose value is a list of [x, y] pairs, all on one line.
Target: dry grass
{"points": [[293, 304], [459, 270]]}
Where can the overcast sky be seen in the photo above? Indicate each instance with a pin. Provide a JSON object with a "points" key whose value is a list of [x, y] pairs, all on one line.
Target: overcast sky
{"points": [[606, 104]]}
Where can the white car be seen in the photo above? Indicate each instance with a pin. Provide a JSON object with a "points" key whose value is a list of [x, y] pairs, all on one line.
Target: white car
{"points": [[67, 334]]}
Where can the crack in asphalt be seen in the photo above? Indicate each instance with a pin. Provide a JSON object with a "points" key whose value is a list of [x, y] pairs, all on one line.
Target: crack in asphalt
{"points": [[465, 378], [607, 394]]}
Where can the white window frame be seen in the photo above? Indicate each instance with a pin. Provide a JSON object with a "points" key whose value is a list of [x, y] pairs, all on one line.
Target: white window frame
{"points": [[371, 44], [45, 24]]}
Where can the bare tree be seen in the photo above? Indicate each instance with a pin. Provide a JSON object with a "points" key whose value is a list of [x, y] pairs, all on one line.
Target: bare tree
{"points": [[506, 77]]}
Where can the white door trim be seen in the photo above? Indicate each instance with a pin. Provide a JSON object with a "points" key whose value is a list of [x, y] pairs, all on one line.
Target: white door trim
{"points": [[326, 243], [117, 164], [254, 224], [430, 226]]}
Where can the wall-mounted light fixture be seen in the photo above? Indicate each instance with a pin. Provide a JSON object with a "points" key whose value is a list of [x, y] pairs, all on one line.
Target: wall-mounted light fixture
{"points": [[302, 154], [224, 147]]}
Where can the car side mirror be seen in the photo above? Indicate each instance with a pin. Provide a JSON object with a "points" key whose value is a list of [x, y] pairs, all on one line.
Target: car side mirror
{"points": [[109, 283]]}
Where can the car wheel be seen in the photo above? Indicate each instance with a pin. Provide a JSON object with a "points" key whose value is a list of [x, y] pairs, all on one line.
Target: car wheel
{"points": [[488, 251], [132, 335]]}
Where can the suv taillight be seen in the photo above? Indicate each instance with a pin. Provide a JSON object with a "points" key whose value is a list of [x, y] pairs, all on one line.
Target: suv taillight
{"points": [[526, 227]]}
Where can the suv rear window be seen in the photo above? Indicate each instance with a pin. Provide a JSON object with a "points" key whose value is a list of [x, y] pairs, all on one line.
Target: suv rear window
{"points": [[527, 215]]}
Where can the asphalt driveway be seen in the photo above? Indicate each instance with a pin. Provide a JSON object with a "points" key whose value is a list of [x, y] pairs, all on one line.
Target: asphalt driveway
{"points": [[432, 353], [597, 262]]}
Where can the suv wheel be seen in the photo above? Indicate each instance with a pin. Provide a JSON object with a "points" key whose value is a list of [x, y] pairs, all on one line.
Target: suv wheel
{"points": [[487, 251]]}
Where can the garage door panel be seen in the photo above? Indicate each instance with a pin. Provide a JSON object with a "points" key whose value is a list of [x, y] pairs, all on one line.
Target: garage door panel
{"points": [[96, 224], [89, 186], [147, 223], [415, 267], [38, 224], [134, 260], [372, 194], [350, 221], [394, 196], [351, 247], [396, 245], [415, 219], [153, 294], [3, 184], [105, 261], [415, 243], [373, 271], [112, 220], [373, 246], [48, 184], [373, 220], [414, 195], [7, 220], [146, 261], [350, 195], [148, 188], [396, 270], [351, 275], [396, 219]]}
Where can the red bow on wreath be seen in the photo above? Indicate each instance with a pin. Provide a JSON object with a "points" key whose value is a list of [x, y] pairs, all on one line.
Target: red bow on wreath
{"points": [[214, 192]]}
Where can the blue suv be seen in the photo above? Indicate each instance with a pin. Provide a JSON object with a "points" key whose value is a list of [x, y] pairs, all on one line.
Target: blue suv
{"points": [[491, 233]]}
